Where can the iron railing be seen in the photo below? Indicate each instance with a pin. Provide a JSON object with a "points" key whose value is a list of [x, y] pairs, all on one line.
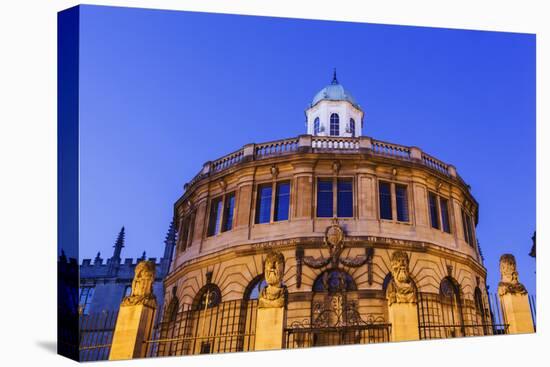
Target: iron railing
{"points": [[448, 317], [304, 337], [227, 327]]}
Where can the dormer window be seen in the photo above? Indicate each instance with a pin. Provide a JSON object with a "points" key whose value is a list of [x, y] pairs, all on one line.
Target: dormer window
{"points": [[352, 127], [334, 124], [316, 126]]}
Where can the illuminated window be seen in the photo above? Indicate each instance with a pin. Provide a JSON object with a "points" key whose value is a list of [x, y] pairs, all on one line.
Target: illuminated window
{"points": [[85, 299]]}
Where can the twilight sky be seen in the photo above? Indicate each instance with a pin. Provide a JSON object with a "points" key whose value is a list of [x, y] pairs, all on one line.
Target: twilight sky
{"points": [[164, 91]]}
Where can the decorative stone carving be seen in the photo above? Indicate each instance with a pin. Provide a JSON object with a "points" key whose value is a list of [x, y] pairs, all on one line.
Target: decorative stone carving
{"points": [[142, 285], [401, 289], [274, 294], [509, 282]]}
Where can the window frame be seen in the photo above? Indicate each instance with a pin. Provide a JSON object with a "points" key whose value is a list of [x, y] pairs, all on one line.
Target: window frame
{"points": [[335, 122], [316, 126], [225, 213], [393, 201], [276, 200], [85, 307], [219, 227], [439, 208], [273, 203], [334, 180], [352, 126], [468, 228]]}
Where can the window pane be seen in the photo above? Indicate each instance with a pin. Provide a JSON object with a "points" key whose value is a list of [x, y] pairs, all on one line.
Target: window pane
{"points": [[345, 198], [402, 203], [282, 201], [316, 126], [352, 127], [324, 198], [263, 208], [465, 227], [228, 212], [434, 212], [445, 214], [470, 229], [384, 193], [215, 216], [334, 124]]}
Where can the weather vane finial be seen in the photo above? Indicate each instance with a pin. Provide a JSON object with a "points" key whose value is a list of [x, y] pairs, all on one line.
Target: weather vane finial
{"points": [[334, 80]]}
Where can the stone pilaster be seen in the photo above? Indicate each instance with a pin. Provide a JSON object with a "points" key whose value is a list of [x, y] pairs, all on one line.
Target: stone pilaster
{"points": [[513, 298], [401, 295], [136, 315], [271, 305]]}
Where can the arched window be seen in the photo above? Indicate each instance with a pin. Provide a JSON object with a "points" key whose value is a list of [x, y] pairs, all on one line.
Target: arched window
{"points": [[172, 309], [316, 126], [352, 127], [253, 290], [334, 125], [451, 308], [209, 296], [334, 281]]}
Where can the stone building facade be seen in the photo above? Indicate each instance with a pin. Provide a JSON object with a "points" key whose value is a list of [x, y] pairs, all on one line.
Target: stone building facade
{"points": [[323, 239]]}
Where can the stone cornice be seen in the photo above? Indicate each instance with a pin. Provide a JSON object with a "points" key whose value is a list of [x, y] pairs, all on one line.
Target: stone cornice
{"points": [[250, 249]]}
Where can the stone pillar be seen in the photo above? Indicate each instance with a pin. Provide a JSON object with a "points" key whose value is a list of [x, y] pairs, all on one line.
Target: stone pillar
{"points": [[403, 318], [304, 143], [249, 152], [270, 318], [416, 153], [513, 298], [135, 318], [365, 143], [401, 296]]}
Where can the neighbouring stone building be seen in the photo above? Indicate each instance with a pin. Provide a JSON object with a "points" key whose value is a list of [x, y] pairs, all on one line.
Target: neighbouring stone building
{"points": [[327, 238], [103, 285]]}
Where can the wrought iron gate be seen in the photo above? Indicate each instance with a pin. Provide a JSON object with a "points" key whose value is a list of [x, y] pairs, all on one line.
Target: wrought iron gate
{"points": [[336, 321]]}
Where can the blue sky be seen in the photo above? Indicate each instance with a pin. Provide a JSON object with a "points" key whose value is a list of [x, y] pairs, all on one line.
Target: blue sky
{"points": [[164, 91]]}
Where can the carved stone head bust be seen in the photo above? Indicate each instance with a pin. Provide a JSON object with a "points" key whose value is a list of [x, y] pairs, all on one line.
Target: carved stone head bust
{"points": [[509, 279], [273, 295], [402, 288], [400, 266], [274, 268], [508, 269], [142, 285]]}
